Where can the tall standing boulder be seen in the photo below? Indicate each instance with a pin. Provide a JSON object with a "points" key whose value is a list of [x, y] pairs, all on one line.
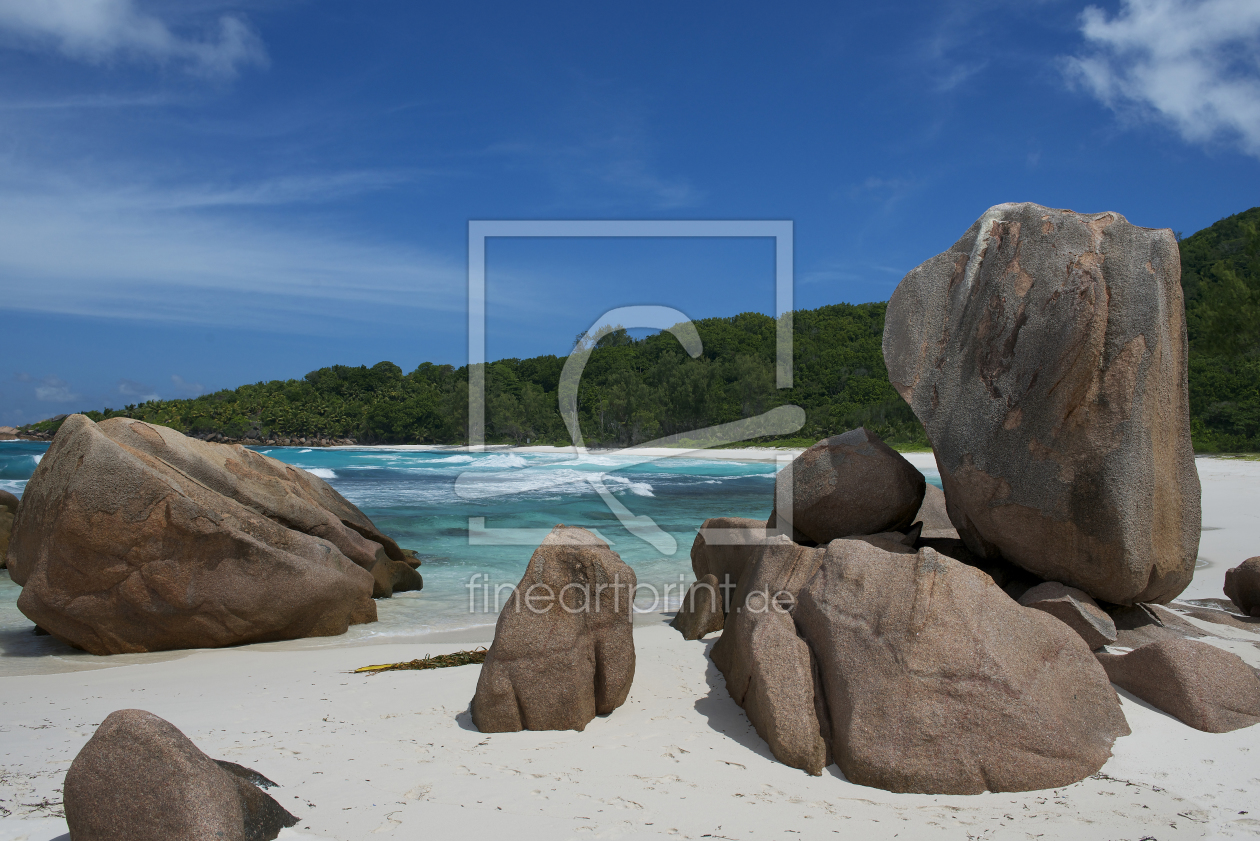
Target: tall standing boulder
{"points": [[768, 669], [936, 682], [140, 778], [126, 541], [845, 485], [563, 649], [1045, 353]]}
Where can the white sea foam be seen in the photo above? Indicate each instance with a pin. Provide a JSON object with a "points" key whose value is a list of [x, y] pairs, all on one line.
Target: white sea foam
{"points": [[38, 458], [499, 460], [450, 460], [321, 472], [303, 451], [619, 483], [489, 485]]}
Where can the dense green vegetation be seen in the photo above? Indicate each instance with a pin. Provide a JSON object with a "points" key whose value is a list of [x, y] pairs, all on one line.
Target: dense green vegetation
{"points": [[637, 390], [1220, 273], [632, 391]]}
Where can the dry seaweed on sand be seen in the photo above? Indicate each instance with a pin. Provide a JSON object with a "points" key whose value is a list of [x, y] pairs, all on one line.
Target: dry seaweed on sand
{"points": [[442, 661]]}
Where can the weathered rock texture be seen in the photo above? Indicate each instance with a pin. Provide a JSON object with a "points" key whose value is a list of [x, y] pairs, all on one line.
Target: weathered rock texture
{"points": [[1045, 353], [935, 681], [140, 778], [1242, 586], [766, 665], [1075, 609], [8, 511], [563, 649], [132, 537], [845, 485], [725, 547], [701, 610], [1204, 686], [934, 516]]}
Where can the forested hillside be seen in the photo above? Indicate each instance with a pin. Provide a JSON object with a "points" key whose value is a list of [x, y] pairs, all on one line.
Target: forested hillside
{"points": [[1220, 273], [631, 391], [639, 390]]}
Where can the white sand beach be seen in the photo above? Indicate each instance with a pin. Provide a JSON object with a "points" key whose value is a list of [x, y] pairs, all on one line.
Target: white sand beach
{"points": [[395, 754]]}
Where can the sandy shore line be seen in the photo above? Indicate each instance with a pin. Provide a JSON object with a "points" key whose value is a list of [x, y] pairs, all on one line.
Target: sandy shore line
{"points": [[395, 754]]}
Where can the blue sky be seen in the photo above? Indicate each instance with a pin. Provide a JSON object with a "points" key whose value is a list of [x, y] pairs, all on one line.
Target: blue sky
{"points": [[195, 194]]}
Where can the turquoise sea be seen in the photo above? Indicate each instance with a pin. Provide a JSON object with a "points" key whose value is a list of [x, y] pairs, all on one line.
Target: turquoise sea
{"points": [[427, 500]]}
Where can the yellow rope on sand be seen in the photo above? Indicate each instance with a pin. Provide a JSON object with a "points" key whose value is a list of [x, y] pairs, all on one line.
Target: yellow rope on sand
{"points": [[442, 661]]}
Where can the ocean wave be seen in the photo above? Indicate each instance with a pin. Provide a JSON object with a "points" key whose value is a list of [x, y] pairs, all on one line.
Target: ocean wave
{"points": [[304, 451], [321, 472], [449, 460], [621, 483], [534, 482], [38, 458], [502, 460]]}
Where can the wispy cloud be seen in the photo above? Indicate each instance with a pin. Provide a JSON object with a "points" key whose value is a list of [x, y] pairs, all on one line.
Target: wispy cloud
{"points": [[131, 388], [188, 253], [186, 388], [1191, 64], [54, 390], [104, 31]]}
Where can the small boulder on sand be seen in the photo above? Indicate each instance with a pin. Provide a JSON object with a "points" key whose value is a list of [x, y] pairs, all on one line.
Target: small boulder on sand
{"points": [[937, 682], [846, 485], [1242, 586], [563, 649], [934, 515], [1076, 609], [701, 610], [1206, 687], [141, 779], [132, 537], [8, 511]]}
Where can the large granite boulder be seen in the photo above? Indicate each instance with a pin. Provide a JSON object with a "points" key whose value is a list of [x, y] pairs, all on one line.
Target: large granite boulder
{"points": [[1206, 687], [935, 681], [141, 779], [1045, 353], [8, 511], [132, 537], [1075, 609], [563, 649], [767, 667], [724, 547], [848, 484], [1242, 586], [278, 491]]}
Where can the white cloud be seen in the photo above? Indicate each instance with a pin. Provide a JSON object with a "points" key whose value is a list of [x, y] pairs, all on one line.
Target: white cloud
{"points": [[73, 245], [185, 387], [1193, 64], [53, 390], [99, 31], [131, 388]]}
